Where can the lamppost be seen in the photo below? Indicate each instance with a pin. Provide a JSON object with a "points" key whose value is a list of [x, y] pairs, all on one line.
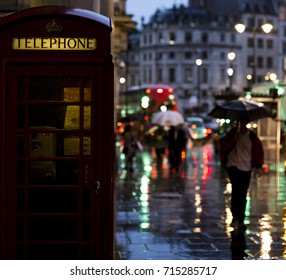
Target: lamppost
{"points": [[122, 81], [266, 28], [230, 70], [199, 62]]}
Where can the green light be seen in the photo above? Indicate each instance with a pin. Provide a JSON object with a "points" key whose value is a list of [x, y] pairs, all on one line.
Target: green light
{"points": [[281, 91], [145, 102], [248, 94], [145, 99]]}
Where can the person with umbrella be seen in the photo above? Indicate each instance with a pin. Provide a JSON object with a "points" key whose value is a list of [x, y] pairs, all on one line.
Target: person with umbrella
{"points": [[241, 152], [177, 142], [177, 139]]}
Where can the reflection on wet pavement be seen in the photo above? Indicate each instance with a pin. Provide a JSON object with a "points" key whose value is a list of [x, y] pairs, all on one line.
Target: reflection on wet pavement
{"points": [[187, 216]]}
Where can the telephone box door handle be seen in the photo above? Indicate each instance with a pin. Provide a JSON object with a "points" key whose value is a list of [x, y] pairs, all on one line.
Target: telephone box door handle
{"points": [[96, 187]]}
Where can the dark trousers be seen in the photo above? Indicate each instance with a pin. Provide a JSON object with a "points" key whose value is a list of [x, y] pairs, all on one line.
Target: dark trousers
{"points": [[160, 152], [240, 181], [175, 159]]}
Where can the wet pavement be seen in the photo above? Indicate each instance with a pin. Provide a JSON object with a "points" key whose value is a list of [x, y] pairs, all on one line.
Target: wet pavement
{"points": [[186, 216]]}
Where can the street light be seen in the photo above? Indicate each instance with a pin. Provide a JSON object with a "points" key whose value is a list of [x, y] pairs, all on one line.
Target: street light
{"points": [[122, 81], [231, 56], [270, 77], [266, 28], [199, 62]]}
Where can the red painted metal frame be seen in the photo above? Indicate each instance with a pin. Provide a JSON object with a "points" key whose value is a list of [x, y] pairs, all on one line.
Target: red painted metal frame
{"points": [[76, 23]]}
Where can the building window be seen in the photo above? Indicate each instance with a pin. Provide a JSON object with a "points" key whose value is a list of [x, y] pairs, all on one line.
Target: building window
{"points": [[222, 37], [160, 38], [144, 76], [250, 42], [159, 56], [204, 55], [188, 55], [250, 61], [260, 43], [172, 38], [150, 75], [269, 62], [159, 75], [172, 75], [204, 75], [260, 62], [222, 75], [269, 44], [188, 75], [171, 55], [251, 22], [188, 37], [205, 37], [232, 38], [132, 79], [187, 92], [204, 94]]}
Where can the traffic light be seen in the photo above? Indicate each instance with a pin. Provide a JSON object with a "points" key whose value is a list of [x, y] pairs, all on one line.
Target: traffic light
{"points": [[247, 92], [273, 92]]}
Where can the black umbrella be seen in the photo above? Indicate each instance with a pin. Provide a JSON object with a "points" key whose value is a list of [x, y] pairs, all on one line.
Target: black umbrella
{"points": [[240, 110]]}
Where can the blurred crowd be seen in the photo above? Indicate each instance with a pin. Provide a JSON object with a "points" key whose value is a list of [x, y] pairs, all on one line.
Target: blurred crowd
{"points": [[169, 141]]}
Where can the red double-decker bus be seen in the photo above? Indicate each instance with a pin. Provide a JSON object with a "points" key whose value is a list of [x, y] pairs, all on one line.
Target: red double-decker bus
{"points": [[148, 99]]}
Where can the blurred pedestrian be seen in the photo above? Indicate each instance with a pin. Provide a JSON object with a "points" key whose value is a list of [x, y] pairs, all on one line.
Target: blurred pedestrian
{"points": [[241, 152], [160, 144], [177, 142], [129, 148]]}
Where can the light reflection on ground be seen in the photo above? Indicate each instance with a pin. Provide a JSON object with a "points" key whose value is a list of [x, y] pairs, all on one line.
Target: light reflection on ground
{"points": [[187, 215]]}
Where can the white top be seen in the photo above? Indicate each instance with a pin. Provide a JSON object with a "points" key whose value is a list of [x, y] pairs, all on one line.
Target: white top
{"points": [[240, 156]]}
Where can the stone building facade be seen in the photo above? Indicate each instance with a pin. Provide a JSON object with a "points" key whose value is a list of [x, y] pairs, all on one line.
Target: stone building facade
{"points": [[166, 48]]}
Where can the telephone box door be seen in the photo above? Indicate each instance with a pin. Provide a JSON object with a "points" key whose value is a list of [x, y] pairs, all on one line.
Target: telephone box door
{"points": [[54, 153]]}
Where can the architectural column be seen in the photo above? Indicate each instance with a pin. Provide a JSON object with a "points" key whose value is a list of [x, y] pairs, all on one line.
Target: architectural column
{"points": [[105, 7]]}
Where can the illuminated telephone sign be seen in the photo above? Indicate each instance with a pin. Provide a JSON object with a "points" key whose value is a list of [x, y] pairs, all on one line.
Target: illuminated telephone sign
{"points": [[54, 43]]}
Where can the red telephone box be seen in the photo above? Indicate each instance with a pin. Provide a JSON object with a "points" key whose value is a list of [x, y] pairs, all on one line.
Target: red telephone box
{"points": [[57, 135]]}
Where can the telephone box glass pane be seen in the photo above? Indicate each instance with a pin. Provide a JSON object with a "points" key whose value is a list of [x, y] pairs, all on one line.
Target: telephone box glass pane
{"points": [[49, 116], [86, 117], [72, 143], [50, 200], [51, 88], [54, 172], [53, 228], [72, 94], [72, 115]]}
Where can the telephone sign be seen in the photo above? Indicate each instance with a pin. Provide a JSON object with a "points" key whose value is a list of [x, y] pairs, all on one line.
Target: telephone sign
{"points": [[54, 43]]}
